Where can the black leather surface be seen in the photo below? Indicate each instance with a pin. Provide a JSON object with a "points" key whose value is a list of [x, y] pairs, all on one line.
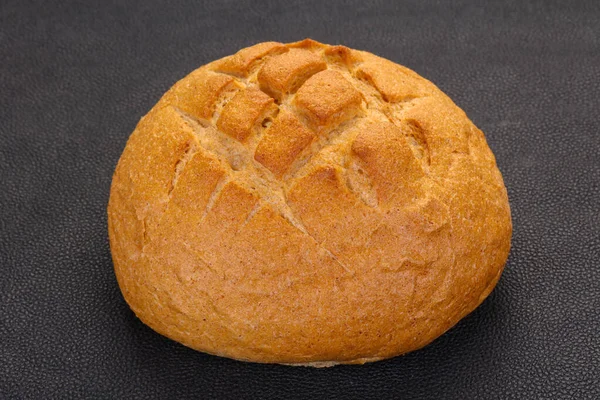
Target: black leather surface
{"points": [[74, 80]]}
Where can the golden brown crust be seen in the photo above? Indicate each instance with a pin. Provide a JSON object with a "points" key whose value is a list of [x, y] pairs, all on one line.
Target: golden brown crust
{"points": [[286, 73], [241, 63], [327, 98], [282, 142], [243, 112], [197, 95], [306, 204]]}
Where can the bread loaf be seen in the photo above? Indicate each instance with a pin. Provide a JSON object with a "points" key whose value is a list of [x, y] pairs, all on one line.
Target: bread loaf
{"points": [[306, 204]]}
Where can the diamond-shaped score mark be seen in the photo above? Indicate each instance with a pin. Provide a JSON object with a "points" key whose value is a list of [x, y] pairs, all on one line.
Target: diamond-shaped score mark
{"points": [[285, 73], [328, 99], [243, 112], [282, 142]]}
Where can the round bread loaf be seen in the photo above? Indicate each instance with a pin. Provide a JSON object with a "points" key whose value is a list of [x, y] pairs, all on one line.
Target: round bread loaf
{"points": [[306, 204]]}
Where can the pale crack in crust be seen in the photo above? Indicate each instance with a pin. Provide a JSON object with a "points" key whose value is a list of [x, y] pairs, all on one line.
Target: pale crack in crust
{"points": [[302, 165], [214, 196], [180, 165]]}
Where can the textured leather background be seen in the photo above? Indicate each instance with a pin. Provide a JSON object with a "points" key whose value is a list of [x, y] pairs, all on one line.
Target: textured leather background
{"points": [[74, 80]]}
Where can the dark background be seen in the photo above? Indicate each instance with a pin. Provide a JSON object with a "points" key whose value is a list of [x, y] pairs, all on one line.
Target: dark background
{"points": [[74, 80]]}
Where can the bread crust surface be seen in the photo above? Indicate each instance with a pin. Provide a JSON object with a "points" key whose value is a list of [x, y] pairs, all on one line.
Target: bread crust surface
{"points": [[306, 204]]}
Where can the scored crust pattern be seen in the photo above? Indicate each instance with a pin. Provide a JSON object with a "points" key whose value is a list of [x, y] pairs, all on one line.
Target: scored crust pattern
{"points": [[306, 203], [269, 109]]}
